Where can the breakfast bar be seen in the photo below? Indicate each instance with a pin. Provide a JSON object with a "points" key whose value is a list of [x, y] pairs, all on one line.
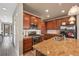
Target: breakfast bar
{"points": [[50, 47]]}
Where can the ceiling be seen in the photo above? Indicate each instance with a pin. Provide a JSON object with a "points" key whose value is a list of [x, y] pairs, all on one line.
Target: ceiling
{"points": [[54, 9], [6, 11]]}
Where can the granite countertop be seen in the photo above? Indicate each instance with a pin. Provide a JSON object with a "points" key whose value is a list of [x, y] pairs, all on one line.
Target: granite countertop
{"points": [[52, 47]]}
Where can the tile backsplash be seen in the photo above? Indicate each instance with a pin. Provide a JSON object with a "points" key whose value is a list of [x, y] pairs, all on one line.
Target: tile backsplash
{"points": [[27, 31], [53, 31]]}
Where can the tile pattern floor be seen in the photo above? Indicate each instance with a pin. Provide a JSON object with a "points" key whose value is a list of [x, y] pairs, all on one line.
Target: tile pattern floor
{"points": [[7, 48]]}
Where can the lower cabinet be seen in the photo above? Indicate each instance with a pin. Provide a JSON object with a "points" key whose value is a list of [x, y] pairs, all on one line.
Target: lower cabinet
{"points": [[27, 44]]}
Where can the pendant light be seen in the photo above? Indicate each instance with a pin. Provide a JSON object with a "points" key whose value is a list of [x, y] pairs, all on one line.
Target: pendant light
{"points": [[74, 10], [71, 22], [72, 18]]}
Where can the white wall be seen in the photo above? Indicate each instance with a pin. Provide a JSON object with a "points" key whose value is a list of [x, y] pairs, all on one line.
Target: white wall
{"points": [[18, 28], [77, 26], [0, 26]]}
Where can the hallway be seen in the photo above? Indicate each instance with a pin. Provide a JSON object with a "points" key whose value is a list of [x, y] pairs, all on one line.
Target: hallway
{"points": [[7, 48]]}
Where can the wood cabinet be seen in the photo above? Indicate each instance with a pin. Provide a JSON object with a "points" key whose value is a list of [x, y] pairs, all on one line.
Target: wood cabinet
{"points": [[66, 20], [39, 24], [51, 25], [27, 44], [34, 20], [26, 21], [30, 19], [55, 24], [59, 23], [43, 28]]}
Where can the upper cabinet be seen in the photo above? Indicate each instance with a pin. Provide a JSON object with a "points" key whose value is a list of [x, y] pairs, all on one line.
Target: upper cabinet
{"points": [[59, 23], [43, 27], [51, 25], [30, 19], [66, 20], [56, 23], [34, 20], [26, 21]]}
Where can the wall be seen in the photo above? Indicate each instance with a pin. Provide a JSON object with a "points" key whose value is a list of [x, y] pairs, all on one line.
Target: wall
{"points": [[18, 28], [0, 26], [6, 19], [77, 26]]}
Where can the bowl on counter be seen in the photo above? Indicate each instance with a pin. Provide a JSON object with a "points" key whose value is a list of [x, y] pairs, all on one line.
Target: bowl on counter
{"points": [[58, 38]]}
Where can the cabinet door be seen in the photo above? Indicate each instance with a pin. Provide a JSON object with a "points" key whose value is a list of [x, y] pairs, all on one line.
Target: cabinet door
{"points": [[27, 44], [43, 28], [26, 21], [34, 20], [39, 24], [67, 20], [49, 25], [54, 24], [59, 23]]}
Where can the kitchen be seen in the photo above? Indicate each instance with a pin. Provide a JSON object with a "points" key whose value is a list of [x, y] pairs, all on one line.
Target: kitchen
{"points": [[50, 29]]}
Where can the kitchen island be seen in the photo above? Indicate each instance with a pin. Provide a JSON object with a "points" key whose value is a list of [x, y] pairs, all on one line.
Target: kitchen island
{"points": [[50, 47]]}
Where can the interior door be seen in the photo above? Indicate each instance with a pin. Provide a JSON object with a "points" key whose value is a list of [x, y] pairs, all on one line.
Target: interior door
{"points": [[6, 29]]}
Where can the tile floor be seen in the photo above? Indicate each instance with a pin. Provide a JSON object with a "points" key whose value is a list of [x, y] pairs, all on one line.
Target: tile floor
{"points": [[7, 48]]}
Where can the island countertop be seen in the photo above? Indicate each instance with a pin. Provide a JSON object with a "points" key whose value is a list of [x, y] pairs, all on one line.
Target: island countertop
{"points": [[52, 47]]}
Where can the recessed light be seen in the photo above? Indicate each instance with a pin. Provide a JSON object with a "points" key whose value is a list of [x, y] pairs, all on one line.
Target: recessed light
{"points": [[63, 11], [46, 10], [4, 8]]}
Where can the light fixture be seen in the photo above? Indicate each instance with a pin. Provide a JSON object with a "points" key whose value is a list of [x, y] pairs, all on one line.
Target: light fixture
{"points": [[63, 23], [72, 18], [4, 9], [71, 22], [46, 10], [74, 10], [63, 11]]}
